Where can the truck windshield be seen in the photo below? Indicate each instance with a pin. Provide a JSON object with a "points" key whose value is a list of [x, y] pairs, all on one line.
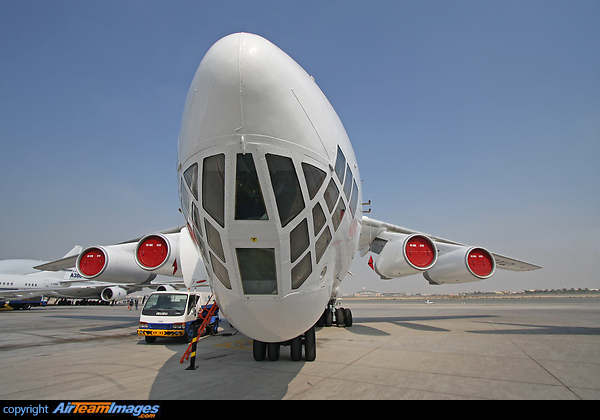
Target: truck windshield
{"points": [[165, 304]]}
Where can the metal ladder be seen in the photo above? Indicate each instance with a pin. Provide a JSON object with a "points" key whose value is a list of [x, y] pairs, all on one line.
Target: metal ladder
{"points": [[190, 352]]}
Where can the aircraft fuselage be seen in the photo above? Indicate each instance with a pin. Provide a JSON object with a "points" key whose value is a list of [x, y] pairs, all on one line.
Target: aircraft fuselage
{"points": [[269, 187]]}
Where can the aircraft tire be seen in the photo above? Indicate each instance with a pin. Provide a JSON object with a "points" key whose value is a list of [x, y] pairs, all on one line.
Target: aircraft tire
{"points": [[328, 318], [259, 350], [347, 317], [321, 320], [310, 345], [273, 351], [296, 348], [339, 317]]}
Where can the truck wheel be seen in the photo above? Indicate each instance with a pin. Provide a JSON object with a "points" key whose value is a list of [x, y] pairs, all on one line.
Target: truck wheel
{"points": [[149, 339]]}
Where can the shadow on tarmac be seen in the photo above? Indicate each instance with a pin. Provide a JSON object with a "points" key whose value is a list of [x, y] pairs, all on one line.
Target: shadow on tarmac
{"points": [[225, 369]]}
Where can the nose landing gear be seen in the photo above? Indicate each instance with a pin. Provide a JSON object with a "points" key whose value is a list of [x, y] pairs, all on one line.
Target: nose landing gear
{"points": [[308, 340], [343, 318]]}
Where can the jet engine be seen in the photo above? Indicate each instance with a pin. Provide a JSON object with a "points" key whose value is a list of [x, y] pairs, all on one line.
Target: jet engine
{"points": [[165, 288], [159, 253], [404, 255], [461, 265], [113, 294], [114, 263]]}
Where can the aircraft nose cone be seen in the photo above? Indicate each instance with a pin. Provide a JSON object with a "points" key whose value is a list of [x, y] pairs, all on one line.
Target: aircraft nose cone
{"points": [[213, 100], [245, 85]]}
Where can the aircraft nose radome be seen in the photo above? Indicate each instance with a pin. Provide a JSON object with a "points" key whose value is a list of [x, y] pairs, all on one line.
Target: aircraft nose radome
{"points": [[212, 107], [279, 99], [245, 85]]}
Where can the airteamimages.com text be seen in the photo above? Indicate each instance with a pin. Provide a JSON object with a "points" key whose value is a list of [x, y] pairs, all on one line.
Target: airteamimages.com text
{"points": [[141, 411]]}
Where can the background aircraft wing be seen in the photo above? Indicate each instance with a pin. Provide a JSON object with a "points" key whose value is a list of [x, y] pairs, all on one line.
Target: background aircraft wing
{"points": [[22, 293], [62, 264], [371, 228]]}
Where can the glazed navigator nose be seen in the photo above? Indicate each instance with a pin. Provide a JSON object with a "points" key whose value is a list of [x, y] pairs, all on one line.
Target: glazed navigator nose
{"points": [[266, 175]]}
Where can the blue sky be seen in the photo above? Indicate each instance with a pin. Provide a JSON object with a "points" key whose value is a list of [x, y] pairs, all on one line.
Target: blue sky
{"points": [[475, 121]]}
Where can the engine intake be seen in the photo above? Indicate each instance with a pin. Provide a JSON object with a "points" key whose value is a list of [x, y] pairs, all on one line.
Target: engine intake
{"points": [[405, 255], [462, 265], [114, 293], [91, 262], [165, 288], [159, 253], [114, 263]]}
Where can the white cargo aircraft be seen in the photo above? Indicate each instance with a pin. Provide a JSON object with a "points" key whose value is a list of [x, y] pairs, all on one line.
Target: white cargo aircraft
{"points": [[271, 195]]}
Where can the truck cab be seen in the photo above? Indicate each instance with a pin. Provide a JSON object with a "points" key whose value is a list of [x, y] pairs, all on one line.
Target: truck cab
{"points": [[174, 314]]}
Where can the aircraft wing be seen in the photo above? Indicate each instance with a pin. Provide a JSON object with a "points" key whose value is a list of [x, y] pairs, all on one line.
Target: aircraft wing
{"points": [[58, 265], [372, 229], [22, 293], [69, 260]]}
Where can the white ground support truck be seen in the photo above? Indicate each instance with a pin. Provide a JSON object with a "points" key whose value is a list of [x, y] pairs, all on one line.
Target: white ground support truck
{"points": [[174, 314]]}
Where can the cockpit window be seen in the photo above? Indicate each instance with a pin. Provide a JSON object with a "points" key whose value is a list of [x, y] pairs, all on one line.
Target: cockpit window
{"points": [[348, 182], [301, 271], [298, 240], [318, 218], [191, 178], [249, 203], [257, 270], [331, 194], [338, 214], [340, 165], [213, 187], [214, 240], [286, 187], [314, 178], [354, 200], [220, 271], [185, 199], [196, 220], [322, 243]]}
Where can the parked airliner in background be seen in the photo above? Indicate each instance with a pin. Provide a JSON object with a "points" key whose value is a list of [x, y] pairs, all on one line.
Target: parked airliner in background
{"points": [[271, 195], [20, 281]]}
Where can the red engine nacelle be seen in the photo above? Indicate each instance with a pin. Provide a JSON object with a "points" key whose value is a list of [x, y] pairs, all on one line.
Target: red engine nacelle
{"points": [[91, 262], [159, 253], [111, 263], [462, 265], [405, 255]]}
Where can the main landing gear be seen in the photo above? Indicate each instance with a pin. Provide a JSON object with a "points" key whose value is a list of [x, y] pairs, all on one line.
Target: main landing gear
{"points": [[343, 318], [308, 340]]}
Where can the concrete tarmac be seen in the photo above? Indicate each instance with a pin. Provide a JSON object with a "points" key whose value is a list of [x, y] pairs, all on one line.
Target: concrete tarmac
{"points": [[469, 349]]}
